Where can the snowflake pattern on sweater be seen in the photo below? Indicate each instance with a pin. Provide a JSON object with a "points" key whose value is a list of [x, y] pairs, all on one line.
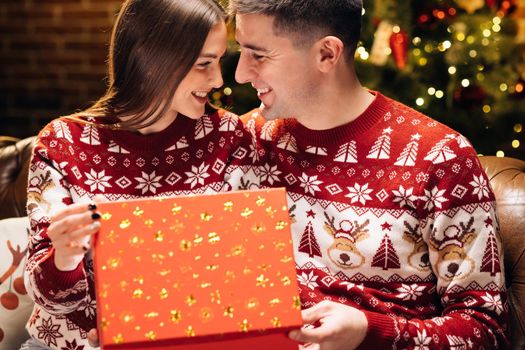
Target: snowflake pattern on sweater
{"points": [[72, 162], [392, 214]]}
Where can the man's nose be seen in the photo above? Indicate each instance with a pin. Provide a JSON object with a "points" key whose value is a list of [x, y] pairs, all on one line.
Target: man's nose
{"points": [[243, 72]]}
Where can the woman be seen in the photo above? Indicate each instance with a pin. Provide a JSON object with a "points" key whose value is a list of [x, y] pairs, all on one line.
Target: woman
{"points": [[148, 135]]}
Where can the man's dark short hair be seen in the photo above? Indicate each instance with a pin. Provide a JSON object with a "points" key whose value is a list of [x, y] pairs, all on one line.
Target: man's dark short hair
{"points": [[306, 21]]}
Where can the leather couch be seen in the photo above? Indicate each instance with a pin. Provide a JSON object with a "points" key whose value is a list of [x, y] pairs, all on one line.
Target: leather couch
{"points": [[506, 176]]}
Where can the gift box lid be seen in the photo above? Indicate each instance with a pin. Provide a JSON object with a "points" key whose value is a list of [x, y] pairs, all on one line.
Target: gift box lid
{"points": [[195, 268]]}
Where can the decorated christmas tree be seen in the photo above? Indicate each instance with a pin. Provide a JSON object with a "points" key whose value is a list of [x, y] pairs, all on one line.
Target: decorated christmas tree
{"points": [[458, 61]]}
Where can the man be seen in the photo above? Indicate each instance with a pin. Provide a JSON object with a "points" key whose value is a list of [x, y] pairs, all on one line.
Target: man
{"points": [[394, 229]]}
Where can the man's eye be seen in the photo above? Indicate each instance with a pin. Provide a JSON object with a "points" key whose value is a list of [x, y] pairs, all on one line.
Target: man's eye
{"points": [[257, 57]]}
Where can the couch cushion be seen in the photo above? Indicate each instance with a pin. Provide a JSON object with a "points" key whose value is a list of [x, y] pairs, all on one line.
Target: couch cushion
{"points": [[15, 304]]}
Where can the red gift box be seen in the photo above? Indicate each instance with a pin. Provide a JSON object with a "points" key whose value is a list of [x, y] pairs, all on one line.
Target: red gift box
{"points": [[197, 272]]}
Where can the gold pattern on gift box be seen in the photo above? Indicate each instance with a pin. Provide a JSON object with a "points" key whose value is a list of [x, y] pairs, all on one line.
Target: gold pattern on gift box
{"points": [[176, 209], [190, 332], [244, 326], [195, 276], [286, 280], [276, 322], [163, 293], [177, 226], [164, 273], [246, 213], [238, 250], [106, 216], [261, 281], [150, 335], [104, 324], [157, 258], [228, 206], [279, 246], [135, 241], [139, 279], [270, 212], [280, 225], [286, 259], [124, 224], [205, 285], [138, 328], [252, 304], [118, 339], [296, 303], [138, 212], [264, 267], [152, 314], [190, 300], [246, 270], [206, 217], [198, 257], [114, 263], [274, 302], [197, 241], [138, 293], [213, 237], [258, 228], [111, 236], [260, 201], [228, 311], [212, 267], [206, 315], [175, 316], [127, 318], [159, 236], [185, 245], [149, 223], [215, 297]]}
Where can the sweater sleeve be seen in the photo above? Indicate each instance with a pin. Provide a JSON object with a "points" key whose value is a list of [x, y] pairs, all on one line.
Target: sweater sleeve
{"points": [[58, 292], [459, 224], [241, 171]]}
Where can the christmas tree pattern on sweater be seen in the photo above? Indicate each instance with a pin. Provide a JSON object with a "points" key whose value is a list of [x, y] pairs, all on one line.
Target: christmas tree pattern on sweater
{"points": [[74, 161], [392, 214]]}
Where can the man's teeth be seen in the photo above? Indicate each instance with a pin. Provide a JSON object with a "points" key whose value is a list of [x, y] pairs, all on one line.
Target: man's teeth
{"points": [[200, 94], [263, 91]]}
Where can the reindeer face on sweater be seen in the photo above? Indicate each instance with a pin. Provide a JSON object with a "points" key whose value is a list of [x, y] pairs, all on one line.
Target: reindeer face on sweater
{"points": [[453, 262], [343, 252]]}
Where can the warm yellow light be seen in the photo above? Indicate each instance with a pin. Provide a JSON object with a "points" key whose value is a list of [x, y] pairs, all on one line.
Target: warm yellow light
{"points": [[440, 94], [487, 109], [485, 42], [396, 29], [420, 101], [500, 154], [428, 48], [452, 70], [465, 82], [503, 87], [228, 91], [473, 53], [423, 61], [519, 88], [518, 128], [417, 52], [480, 76], [496, 20], [470, 39], [431, 91], [460, 36], [487, 33], [416, 41], [496, 28], [515, 143]]}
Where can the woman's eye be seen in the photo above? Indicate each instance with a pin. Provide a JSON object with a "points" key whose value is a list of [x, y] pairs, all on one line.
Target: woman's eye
{"points": [[203, 64]]}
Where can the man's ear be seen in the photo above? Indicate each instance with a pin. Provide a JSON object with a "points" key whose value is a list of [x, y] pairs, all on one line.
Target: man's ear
{"points": [[330, 51]]}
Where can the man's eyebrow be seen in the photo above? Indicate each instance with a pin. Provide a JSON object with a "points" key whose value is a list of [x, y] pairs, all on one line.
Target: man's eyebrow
{"points": [[254, 47]]}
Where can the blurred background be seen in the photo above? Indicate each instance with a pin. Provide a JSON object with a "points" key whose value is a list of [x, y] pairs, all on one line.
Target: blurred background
{"points": [[461, 62]]}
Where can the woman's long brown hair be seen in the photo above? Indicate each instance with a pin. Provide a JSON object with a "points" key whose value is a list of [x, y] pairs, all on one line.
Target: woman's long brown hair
{"points": [[153, 46]]}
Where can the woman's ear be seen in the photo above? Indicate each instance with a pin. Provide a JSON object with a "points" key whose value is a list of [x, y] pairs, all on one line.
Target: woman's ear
{"points": [[330, 51]]}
